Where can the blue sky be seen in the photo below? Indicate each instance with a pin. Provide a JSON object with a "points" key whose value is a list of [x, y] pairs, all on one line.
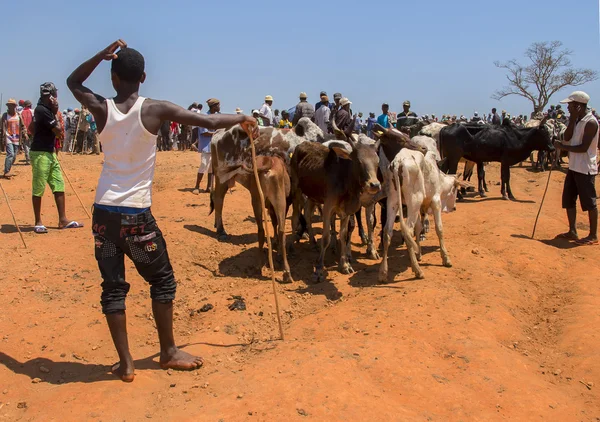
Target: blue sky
{"points": [[438, 54]]}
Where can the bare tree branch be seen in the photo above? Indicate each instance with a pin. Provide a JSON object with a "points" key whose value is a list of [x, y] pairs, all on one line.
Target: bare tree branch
{"points": [[549, 71]]}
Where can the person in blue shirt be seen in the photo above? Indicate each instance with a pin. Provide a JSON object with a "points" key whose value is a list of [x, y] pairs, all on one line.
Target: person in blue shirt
{"points": [[384, 119], [370, 123]]}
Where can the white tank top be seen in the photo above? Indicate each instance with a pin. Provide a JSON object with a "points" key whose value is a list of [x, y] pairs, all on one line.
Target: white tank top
{"points": [[583, 162], [129, 158]]}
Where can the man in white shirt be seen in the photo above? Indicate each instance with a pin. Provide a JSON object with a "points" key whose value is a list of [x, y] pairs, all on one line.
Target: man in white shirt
{"points": [[265, 111], [323, 115], [581, 137]]}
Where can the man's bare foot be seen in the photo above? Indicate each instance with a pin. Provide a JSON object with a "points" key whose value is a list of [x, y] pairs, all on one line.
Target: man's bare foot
{"points": [[180, 360], [123, 371]]}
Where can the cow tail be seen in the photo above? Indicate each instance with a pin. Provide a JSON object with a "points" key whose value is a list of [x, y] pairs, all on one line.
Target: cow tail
{"points": [[212, 202]]}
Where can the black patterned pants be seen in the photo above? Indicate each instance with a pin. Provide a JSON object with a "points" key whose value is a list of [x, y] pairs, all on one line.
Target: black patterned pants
{"points": [[138, 237]]}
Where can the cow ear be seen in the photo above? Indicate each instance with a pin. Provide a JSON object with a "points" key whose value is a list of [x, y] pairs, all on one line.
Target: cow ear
{"points": [[342, 152]]}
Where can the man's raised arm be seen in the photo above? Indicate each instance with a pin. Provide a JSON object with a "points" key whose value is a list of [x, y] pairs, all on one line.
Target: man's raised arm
{"points": [[94, 102], [174, 113]]}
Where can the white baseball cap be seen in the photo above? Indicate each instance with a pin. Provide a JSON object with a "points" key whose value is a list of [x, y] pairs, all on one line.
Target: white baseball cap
{"points": [[578, 97]]}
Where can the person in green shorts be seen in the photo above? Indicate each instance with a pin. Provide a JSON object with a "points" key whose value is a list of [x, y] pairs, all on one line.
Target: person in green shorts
{"points": [[46, 169]]}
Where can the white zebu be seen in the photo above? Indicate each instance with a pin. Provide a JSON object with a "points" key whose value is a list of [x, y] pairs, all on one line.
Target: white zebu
{"points": [[423, 186]]}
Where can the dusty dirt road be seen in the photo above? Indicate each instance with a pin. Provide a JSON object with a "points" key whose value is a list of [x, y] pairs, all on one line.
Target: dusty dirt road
{"points": [[510, 332]]}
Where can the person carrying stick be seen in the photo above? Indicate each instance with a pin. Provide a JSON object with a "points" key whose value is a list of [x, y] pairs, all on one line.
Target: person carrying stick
{"points": [[122, 221], [582, 138], [44, 163]]}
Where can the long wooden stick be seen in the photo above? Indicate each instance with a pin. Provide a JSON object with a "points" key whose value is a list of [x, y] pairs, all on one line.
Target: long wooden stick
{"points": [[554, 164], [71, 184], [542, 203], [13, 215], [266, 225]]}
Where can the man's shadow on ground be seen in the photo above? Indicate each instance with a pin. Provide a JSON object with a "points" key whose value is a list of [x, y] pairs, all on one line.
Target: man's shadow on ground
{"points": [[554, 242], [66, 372]]}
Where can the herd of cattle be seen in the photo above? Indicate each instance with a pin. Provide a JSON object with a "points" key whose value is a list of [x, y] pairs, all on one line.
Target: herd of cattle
{"points": [[306, 168]]}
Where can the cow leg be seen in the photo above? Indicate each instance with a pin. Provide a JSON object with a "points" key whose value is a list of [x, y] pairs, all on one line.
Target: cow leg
{"points": [[309, 208], [361, 230], [217, 199], [383, 205], [506, 169], [485, 187], [325, 239], [257, 207], [334, 234], [413, 207], [344, 266], [388, 231], [481, 179], [298, 226], [371, 221], [437, 216], [503, 191], [418, 233], [278, 208], [425, 222], [274, 223], [347, 239]]}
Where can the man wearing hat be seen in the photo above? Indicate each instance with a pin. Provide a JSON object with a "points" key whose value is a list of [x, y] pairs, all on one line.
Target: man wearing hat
{"points": [[204, 137], [343, 118], [238, 110], [581, 138], [265, 111], [12, 131], [303, 109], [44, 163], [323, 102], [406, 117], [323, 114]]}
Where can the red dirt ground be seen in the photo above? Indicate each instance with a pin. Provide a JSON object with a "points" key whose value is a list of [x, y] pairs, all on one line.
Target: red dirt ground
{"points": [[510, 332]]}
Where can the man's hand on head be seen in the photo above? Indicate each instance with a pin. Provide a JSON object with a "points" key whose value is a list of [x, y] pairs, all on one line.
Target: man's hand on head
{"points": [[109, 53]]}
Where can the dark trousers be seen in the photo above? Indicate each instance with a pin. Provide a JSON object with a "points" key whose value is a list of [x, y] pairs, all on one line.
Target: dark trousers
{"points": [[138, 237]]}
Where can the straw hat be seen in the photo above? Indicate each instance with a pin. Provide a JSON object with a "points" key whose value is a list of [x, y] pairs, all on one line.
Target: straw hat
{"points": [[11, 101]]}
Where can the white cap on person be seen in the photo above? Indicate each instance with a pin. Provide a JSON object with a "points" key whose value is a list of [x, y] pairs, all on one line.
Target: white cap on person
{"points": [[578, 97]]}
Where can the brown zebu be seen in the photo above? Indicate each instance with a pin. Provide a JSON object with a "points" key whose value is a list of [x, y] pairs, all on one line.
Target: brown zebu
{"points": [[337, 175], [232, 160]]}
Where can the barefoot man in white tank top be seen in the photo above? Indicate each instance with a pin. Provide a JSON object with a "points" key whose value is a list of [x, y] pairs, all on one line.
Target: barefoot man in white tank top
{"points": [[122, 222]]}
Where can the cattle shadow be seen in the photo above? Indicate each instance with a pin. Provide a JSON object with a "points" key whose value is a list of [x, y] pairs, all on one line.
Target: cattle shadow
{"points": [[554, 242], [398, 263], [244, 265], [237, 240], [187, 190], [11, 228], [325, 288]]}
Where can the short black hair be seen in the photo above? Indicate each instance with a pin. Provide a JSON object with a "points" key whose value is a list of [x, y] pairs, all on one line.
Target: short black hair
{"points": [[494, 110], [129, 65]]}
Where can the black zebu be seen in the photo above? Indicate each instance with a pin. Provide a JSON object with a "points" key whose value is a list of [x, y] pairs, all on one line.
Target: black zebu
{"points": [[505, 144]]}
